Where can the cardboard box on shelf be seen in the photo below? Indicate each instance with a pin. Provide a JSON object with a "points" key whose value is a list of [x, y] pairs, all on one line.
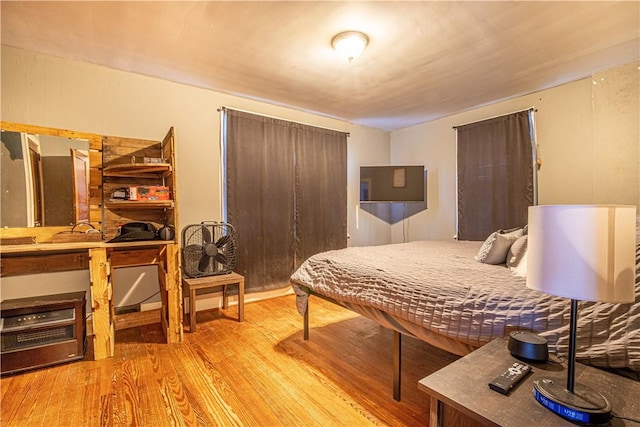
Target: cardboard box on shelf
{"points": [[144, 192]]}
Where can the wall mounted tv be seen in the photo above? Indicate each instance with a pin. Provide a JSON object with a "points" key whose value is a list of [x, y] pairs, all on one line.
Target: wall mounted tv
{"points": [[402, 184]]}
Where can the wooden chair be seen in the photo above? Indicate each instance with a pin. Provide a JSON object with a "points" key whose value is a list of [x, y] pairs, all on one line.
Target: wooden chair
{"points": [[191, 285]]}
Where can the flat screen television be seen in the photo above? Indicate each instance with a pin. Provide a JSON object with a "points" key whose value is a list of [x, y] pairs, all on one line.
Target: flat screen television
{"points": [[400, 184]]}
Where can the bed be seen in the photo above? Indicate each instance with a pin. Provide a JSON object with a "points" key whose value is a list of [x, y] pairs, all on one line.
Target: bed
{"points": [[438, 292]]}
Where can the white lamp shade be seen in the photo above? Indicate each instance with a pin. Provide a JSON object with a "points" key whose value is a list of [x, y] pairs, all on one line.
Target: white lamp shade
{"points": [[582, 252]]}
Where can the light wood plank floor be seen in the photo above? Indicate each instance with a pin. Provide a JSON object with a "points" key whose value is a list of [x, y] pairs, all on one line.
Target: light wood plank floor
{"points": [[256, 373]]}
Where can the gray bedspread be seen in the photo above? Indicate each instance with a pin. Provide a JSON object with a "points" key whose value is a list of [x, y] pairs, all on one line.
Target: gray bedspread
{"points": [[435, 289]]}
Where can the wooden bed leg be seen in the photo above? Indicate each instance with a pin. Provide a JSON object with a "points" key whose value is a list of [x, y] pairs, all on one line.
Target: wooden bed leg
{"points": [[435, 413], [306, 323], [397, 364]]}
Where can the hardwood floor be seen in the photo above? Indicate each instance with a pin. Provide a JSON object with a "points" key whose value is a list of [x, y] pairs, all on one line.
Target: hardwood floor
{"points": [[256, 373]]}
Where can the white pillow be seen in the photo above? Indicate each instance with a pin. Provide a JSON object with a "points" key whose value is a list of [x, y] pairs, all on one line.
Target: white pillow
{"points": [[520, 269], [516, 251], [494, 250]]}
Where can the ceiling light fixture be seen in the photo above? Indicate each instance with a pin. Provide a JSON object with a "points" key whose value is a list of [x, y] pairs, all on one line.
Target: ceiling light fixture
{"points": [[350, 44]]}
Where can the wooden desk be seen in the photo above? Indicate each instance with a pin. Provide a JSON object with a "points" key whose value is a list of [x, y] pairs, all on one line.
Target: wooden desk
{"points": [[101, 258], [463, 387]]}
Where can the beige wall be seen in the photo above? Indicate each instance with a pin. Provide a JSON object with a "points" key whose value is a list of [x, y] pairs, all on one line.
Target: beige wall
{"points": [[588, 138], [366, 229], [48, 91], [588, 134], [616, 135]]}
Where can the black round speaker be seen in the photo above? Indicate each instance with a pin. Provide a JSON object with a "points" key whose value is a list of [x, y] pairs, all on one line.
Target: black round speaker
{"points": [[166, 233], [528, 345]]}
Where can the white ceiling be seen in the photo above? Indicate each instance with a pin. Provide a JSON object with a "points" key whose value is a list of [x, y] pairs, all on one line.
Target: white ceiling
{"points": [[425, 59]]}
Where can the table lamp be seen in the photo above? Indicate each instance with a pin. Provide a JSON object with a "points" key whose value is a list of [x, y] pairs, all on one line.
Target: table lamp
{"points": [[581, 252]]}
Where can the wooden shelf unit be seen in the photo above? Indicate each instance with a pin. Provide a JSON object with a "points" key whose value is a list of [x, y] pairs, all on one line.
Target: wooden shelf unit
{"points": [[121, 168], [112, 165]]}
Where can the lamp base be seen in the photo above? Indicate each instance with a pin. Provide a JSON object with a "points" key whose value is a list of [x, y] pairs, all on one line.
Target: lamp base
{"points": [[583, 405]]}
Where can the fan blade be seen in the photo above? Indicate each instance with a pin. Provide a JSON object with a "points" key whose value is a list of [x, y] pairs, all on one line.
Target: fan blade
{"points": [[206, 234], [222, 241], [203, 265], [191, 256], [221, 258], [192, 250]]}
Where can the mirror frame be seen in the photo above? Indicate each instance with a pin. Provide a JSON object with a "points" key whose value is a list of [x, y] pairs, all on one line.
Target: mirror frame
{"points": [[44, 234]]}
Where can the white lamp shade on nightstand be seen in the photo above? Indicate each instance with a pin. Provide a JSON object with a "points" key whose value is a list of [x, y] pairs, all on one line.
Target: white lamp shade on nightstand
{"points": [[582, 252]]}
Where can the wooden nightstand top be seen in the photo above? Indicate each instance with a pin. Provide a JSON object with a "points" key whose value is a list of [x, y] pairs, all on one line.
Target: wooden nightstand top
{"points": [[463, 385]]}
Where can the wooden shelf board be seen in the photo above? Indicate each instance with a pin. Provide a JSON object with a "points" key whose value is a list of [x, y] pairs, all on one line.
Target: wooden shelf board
{"points": [[142, 204], [138, 170]]}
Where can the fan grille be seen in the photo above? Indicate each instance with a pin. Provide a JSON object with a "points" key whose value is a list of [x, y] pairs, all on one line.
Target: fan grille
{"points": [[209, 249]]}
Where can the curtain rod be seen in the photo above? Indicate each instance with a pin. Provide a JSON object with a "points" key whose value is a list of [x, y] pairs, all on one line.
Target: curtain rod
{"points": [[280, 118], [499, 115]]}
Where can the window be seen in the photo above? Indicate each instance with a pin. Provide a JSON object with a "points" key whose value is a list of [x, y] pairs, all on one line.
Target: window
{"points": [[496, 174], [286, 194]]}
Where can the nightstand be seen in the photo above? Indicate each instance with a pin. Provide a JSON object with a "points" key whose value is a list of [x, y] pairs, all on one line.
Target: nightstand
{"points": [[462, 388]]}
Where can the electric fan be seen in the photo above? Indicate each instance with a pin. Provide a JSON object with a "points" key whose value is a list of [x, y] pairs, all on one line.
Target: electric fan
{"points": [[208, 249]]}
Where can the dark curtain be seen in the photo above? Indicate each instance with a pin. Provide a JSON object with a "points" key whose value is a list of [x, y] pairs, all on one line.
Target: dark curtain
{"points": [[495, 175], [321, 192], [285, 195]]}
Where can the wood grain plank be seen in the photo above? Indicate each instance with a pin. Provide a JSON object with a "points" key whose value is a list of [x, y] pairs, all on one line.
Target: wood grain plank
{"points": [[95, 158], [54, 407], [256, 373], [42, 234], [11, 266], [65, 133], [130, 258], [26, 413], [172, 285], [132, 320], [102, 316], [95, 177], [125, 150], [169, 152]]}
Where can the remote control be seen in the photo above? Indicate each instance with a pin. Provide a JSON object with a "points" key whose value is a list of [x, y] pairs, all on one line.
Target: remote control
{"points": [[504, 382]]}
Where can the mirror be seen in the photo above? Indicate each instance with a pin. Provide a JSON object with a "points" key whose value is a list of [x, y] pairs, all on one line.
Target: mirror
{"points": [[44, 181]]}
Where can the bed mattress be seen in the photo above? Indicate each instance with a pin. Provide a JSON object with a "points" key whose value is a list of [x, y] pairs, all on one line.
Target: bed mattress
{"points": [[436, 291]]}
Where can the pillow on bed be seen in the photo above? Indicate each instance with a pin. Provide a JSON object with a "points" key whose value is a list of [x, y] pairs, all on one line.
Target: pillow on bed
{"points": [[494, 250], [517, 251], [520, 269]]}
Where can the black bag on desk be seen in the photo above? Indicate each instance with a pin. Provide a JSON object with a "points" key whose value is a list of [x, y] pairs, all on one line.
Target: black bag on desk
{"points": [[135, 231]]}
